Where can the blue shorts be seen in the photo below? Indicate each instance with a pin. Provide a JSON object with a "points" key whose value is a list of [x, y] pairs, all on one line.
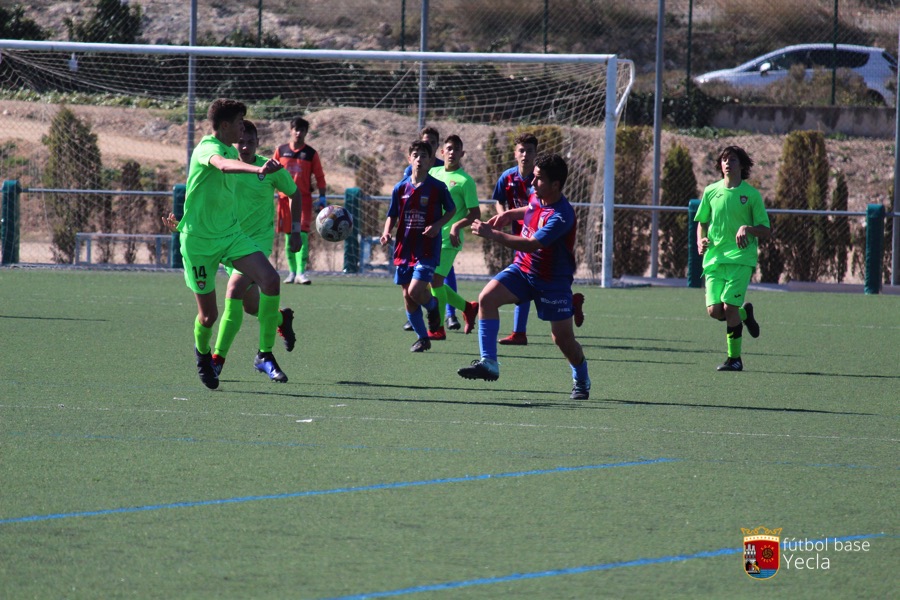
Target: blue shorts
{"points": [[552, 299], [406, 273]]}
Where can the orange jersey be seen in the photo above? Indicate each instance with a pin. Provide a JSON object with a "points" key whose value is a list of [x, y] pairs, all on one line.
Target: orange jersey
{"points": [[303, 165]]}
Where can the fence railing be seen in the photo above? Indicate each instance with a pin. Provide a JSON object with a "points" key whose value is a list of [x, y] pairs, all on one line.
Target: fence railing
{"points": [[864, 257]]}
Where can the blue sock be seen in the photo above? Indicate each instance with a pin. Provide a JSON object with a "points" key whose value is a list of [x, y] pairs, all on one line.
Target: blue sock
{"points": [[431, 304], [520, 318], [450, 280], [488, 329], [580, 373], [418, 322]]}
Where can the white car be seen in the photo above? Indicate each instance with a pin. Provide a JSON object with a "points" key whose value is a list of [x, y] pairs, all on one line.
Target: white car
{"points": [[876, 66]]}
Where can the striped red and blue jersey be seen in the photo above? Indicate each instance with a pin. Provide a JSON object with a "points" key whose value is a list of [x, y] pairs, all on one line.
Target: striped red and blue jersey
{"points": [[513, 191], [554, 226], [415, 208]]}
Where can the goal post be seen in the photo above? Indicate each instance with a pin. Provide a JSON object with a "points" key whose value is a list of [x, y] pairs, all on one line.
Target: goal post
{"points": [[579, 98]]}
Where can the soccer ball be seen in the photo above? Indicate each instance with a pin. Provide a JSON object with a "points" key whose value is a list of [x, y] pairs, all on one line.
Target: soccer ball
{"points": [[334, 223]]}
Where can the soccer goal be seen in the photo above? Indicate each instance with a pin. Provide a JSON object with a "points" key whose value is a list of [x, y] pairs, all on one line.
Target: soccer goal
{"points": [[146, 105]]}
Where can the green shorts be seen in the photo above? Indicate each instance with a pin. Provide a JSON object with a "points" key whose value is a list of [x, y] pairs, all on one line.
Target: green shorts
{"points": [[448, 255], [201, 257], [264, 239], [727, 284]]}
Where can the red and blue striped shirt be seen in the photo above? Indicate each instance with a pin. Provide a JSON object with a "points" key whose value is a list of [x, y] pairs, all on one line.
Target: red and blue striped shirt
{"points": [[555, 227], [415, 208]]}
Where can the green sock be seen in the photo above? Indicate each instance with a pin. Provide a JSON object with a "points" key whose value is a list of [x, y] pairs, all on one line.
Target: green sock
{"points": [[441, 295], [268, 321], [303, 255], [291, 256], [202, 335], [733, 337], [743, 313], [232, 318], [454, 299]]}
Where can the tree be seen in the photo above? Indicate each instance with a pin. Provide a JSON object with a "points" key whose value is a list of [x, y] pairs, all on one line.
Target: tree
{"points": [[113, 22], [803, 184], [679, 186], [73, 163], [368, 180], [131, 208], [14, 25], [839, 228], [631, 237]]}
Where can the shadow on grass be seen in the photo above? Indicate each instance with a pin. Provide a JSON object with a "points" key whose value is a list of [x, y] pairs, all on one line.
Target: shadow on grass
{"points": [[53, 318], [820, 374], [751, 408]]}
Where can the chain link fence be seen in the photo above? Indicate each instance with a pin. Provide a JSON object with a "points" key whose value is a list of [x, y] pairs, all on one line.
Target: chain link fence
{"points": [[700, 36]]}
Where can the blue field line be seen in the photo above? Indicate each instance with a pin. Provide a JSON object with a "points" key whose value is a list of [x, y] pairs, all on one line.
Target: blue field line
{"points": [[366, 488], [639, 562]]}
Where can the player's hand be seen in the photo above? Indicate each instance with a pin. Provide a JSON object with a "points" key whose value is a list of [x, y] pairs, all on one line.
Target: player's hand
{"points": [[497, 221], [454, 238], [743, 236], [295, 242], [481, 228], [431, 231], [385, 239], [271, 166], [171, 222], [322, 202], [702, 245]]}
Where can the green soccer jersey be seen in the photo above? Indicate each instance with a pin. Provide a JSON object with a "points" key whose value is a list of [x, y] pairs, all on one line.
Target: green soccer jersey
{"points": [[255, 198], [726, 210], [462, 190], [209, 210]]}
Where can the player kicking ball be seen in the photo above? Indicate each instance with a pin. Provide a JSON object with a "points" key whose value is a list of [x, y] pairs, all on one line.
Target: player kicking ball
{"points": [[542, 271]]}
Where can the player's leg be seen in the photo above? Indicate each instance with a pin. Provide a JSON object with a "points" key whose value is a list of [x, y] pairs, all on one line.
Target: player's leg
{"points": [[419, 296], [232, 316], [451, 320], [201, 261], [500, 291], [291, 258], [439, 291], [303, 260], [518, 337], [256, 266], [554, 304], [733, 293]]}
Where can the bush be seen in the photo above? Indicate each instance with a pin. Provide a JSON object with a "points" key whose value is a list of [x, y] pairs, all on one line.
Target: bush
{"points": [[839, 229], [679, 186], [73, 163], [113, 22], [631, 239], [803, 184]]}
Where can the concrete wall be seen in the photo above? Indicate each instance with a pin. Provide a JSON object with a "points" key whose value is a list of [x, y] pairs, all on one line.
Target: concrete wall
{"points": [[874, 122]]}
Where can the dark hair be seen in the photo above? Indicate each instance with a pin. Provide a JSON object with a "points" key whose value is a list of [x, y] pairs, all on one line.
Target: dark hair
{"points": [[223, 109], [300, 124], [455, 140], [420, 146], [250, 128], [526, 138], [429, 130], [742, 156], [553, 167]]}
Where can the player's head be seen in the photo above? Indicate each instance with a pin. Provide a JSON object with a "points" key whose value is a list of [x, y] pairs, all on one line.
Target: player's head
{"points": [[553, 169], [453, 151], [421, 148], [430, 134], [224, 110], [526, 138], [249, 142], [740, 154], [526, 145], [300, 124]]}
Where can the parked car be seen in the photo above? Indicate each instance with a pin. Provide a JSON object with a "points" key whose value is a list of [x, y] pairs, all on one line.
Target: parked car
{"points": [[876, 66]]}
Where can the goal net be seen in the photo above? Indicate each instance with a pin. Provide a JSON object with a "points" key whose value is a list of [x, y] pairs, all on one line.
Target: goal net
{"points": [[82, 121]]}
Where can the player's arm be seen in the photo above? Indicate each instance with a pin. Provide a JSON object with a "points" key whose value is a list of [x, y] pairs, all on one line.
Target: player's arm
{"points": [[295, 242], [474, 213], [508, 216], [230, 165], [389, 224], [761, 232], [702, 237], [516, 242], [449, 207], [319, 174]]}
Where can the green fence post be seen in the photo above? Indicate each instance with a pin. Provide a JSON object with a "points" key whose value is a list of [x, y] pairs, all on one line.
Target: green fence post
{"points": [[9, 223], [695, 261], [352, 198], [178, 193], [874, 247]]}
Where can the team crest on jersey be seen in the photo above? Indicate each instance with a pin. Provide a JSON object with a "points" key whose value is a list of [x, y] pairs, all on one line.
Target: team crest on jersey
{"points": [[452, 184], [201, 284], [744, 199], [423, 201], [761, 557]]}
